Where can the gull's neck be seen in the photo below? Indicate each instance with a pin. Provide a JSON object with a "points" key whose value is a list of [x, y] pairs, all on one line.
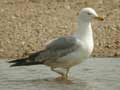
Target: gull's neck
{"points": [[84, 31], [85, 35]]}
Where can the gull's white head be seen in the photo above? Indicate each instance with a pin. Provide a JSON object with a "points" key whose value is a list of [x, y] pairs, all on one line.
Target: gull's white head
{"points": [[87, 14]]}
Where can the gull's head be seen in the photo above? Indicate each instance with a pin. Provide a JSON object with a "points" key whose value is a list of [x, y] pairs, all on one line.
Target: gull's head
{"points": [[87, 14]]}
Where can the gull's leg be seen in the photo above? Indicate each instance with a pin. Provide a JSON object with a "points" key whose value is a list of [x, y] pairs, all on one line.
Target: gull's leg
{"points": [[66, 80], [62, 74], [66, 74]]}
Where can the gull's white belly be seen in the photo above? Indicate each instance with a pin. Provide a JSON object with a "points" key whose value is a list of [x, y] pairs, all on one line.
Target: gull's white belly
{"points": [[73, 58]]}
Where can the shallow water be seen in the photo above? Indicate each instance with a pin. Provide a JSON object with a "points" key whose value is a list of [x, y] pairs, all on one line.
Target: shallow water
{"points": [[93, 74]]}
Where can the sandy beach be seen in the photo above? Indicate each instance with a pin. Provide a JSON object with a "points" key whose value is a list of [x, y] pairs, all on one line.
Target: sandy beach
{"points": [[26, 25]]}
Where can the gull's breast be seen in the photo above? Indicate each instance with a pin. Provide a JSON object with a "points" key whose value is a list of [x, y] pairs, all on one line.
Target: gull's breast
{"points": [[77, 56], [74, 58]]}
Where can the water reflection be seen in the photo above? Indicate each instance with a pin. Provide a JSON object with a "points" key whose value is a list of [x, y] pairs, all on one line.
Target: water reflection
{"points": [[51, 84]]}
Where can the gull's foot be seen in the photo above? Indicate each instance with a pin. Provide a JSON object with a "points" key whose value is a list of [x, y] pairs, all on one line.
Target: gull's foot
{"points": [[60, 78], [63, 80], [67, 81]]}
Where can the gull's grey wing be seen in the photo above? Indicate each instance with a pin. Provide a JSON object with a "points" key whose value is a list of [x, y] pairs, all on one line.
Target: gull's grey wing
{"points": [[56, 49], [62, 43]]}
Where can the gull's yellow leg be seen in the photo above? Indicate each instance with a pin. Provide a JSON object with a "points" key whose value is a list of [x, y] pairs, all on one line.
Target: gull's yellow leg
{"points": [[66, 80], [66, 74], [63, 77], [62, 74]]}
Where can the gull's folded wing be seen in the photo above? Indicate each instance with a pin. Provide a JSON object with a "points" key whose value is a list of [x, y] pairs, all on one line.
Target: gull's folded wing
{"points": [[56, 49]]}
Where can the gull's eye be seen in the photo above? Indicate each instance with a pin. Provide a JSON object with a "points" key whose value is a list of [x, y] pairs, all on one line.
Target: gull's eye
{"points": [[89, 13]]}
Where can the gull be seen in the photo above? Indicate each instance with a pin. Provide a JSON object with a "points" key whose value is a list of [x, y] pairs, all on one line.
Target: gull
{"points": [[65, 52]]}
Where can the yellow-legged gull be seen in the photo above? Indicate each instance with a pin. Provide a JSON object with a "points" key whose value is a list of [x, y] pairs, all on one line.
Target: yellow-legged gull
{"points": [[66, 52]]}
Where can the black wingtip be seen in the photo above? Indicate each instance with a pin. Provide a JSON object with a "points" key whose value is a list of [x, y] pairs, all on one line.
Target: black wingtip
{"points": [[12, 65], [15, 65], [11, 61], [18, 62]]}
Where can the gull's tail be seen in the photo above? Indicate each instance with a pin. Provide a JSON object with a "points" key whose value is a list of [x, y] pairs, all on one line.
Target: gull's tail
{"points": [[18, 62], [23, 62]]}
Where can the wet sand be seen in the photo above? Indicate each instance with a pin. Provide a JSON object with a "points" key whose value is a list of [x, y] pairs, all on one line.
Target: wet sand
{"points": [[93, 74]]}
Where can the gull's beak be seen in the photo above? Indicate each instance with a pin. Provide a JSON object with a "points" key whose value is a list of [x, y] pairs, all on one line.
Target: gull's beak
{"points": [[99, 18]]}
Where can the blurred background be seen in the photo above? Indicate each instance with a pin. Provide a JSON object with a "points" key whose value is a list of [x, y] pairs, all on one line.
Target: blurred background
{"points": [[26, 25]]}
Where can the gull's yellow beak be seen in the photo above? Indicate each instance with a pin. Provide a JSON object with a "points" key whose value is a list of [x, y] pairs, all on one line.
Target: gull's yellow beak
{"points": [[99, 18]]}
